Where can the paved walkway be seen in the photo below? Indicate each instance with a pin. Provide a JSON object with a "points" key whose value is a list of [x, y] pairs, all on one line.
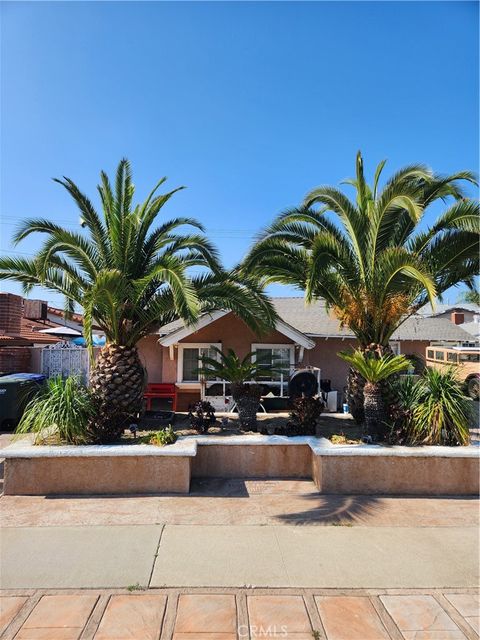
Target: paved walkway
{"points": [[240, 615]]}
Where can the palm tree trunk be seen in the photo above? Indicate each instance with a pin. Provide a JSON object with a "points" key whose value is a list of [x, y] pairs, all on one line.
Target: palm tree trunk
{"points": [[247, 398], [117, 382], [356, 384], [374, 407]]}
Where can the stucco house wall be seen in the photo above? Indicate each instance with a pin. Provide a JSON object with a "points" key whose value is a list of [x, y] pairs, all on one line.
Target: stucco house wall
{"points": [[151, 356], [324, 355]]}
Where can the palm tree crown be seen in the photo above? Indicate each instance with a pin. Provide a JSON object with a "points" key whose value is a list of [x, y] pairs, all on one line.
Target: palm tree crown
{"points": [[373, 260], [231, 368], [374, 370], [128, 272]]}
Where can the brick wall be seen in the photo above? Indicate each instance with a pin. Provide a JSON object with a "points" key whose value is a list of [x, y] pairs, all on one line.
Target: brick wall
{"points": [[10, 313], [14, 360]]}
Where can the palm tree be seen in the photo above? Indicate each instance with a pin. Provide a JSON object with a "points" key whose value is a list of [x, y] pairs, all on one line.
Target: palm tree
{"points": [[240, 374], [472, 296], [373, 260], [374, 371], [131, 273]]}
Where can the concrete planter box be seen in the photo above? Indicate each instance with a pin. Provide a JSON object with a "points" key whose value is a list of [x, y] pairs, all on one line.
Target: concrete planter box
{"points": [[97, 470], [144, 469]]}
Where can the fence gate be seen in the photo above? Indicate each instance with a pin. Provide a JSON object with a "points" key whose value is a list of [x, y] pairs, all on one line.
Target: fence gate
{"points": [[64, 359]]}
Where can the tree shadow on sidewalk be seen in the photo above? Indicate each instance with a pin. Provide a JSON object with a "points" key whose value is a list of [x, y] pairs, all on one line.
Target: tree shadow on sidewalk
{"points": [[337, 510]]}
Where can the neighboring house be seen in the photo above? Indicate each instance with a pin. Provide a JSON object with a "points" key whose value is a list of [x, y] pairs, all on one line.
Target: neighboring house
{"points": [[473, 328], [458, 312], [20, 323], [305, 336]]}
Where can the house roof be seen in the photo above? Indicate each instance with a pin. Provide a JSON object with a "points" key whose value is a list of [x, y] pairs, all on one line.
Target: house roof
{"points": [[29, 334], [315, 321], [473, 328], [76, 317], [441, 308]]}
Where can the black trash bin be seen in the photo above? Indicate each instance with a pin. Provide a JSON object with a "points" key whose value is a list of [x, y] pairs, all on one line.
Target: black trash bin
{"points": [[16, 390]]}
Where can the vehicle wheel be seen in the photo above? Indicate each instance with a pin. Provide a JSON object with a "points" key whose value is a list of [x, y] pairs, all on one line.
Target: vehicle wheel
{"points": [[473, 388]]}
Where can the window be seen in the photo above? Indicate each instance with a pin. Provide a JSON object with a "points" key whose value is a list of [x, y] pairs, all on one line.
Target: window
{"points": [[469, 357], [430, 354], [189, 360], [439, 355], [281, 357], [452, 357], [395, 347]]}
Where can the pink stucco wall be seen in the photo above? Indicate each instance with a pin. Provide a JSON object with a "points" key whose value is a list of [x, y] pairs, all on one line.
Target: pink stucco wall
{"points": [[151, 355], [324, 356], [234, 334]]}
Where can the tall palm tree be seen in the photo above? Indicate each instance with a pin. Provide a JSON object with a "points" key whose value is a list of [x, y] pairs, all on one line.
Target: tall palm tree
{"points": [[131, 272], [373, 259], [374, 371]]}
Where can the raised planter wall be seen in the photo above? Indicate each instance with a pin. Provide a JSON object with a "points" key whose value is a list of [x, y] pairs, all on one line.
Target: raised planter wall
{"points": [[108, 475], [145, 469], [252, 461], [389, 475]]}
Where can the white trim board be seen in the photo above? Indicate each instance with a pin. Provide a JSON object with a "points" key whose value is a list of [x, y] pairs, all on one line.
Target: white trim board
{"points": [[287, 330], [183, 332]]}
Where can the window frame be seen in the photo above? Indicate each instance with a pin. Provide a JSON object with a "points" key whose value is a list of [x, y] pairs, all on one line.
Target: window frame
{"points": [[396, 347], [285, 345], [191, 345]]}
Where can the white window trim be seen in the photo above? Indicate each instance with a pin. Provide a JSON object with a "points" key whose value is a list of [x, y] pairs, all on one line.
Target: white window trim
{"points": [[191, 345], [265, 345], [396, 346]]}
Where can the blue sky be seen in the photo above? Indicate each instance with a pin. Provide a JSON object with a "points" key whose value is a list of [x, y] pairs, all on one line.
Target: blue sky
{"points": [[248, 104]]}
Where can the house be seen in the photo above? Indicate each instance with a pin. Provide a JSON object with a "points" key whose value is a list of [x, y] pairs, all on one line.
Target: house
{"points": [[473, 328], [20, 323], [304, 336], [459, 312]]}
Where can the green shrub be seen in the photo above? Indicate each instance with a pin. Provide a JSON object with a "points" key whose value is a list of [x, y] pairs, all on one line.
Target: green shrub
{"points": [[62, 410], [430, 410], [163, 436], [443, 414]]}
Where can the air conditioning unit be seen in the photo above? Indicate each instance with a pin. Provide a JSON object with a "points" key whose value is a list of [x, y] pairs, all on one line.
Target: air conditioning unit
{"points": [[332, 399], [35, 310]]}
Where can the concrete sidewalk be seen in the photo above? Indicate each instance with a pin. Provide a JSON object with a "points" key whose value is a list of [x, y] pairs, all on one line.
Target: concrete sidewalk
{"points": [[238, 556]]}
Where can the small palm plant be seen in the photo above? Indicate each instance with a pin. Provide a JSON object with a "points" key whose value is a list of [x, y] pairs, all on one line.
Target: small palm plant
{"points": [[62, 409], [240, 373], [443, 414], [374, 371]]}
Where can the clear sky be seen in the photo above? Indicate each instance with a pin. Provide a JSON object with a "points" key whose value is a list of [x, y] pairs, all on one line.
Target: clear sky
{"points": [[248, 104]]}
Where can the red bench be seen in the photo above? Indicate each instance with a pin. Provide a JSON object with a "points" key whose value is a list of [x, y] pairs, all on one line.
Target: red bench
{"points": [[161, 390]]}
